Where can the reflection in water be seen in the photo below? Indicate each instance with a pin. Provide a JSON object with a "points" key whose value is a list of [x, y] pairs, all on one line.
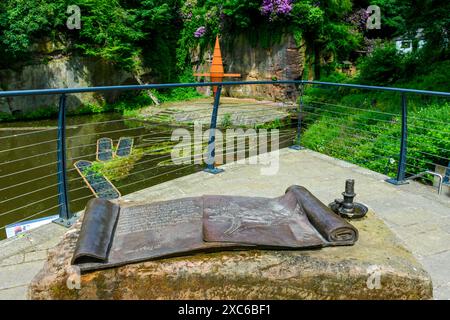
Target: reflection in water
{"points": [[28, 180]]}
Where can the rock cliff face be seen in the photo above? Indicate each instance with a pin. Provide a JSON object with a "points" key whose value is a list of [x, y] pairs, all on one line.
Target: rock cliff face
{"points": [[283, 61], [61, 72]]}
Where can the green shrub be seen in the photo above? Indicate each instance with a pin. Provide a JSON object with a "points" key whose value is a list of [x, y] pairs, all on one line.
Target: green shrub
{"points": [[179, 94], [6, 117], [226, 121], [382, 68], [375, 142]]}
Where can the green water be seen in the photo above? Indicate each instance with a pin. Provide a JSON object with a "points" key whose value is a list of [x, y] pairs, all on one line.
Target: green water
{"points": [[28, 169]]}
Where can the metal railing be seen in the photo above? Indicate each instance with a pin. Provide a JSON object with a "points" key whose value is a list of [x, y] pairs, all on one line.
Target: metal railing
{"points": [[307, 112]]}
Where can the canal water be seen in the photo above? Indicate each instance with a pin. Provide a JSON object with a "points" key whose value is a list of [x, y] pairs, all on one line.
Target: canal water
{"points": [[28, 180], [28, 169]]}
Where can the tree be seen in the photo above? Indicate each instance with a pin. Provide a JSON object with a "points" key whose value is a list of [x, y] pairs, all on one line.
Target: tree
{"points": [[433, 16], [24, 21], [325, 30]]}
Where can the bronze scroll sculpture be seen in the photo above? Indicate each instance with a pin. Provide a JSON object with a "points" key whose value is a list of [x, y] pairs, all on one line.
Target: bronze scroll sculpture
{"points": [[114, 235]]}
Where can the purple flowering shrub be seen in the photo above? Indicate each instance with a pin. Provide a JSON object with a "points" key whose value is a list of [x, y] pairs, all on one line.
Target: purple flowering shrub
{"points": [[274, 8], [359, 19], [200, 32]]}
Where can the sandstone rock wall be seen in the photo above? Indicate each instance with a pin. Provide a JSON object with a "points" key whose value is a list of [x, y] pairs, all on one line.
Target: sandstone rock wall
{"points": [[284, 61], [60, 72]]}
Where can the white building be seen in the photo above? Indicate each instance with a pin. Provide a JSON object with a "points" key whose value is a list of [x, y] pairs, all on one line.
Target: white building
{"points": [[405, 45]]}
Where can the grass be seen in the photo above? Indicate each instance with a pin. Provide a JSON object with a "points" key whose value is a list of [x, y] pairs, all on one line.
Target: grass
{"points": [[360, 139], [118, 167], [226, 121]]}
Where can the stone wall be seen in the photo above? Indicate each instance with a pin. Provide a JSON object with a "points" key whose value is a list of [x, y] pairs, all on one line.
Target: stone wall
{"points": [[284, 61], [60, 72]]}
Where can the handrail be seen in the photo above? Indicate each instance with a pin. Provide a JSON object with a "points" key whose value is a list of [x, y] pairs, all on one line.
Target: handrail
{"points": [[401, 90], [439, 176], [137, 87], [17, 93]]}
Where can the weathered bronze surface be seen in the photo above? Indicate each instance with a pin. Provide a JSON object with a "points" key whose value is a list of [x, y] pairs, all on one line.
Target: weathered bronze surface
{"points": [[278, 222], [346, 207], [209, 223], [95, 236]]}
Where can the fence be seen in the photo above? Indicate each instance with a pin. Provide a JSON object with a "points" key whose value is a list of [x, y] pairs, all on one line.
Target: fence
{"points": [[26, 193]]}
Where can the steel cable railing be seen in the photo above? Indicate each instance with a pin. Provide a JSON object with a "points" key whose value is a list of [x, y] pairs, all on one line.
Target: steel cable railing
{"points": [[366, 125], [346, 127], [27, 133], [422, 132], [180, 158], [356, 134], [159, 175], [33, 215], [141, 136], [29, 204], [183, 167]]}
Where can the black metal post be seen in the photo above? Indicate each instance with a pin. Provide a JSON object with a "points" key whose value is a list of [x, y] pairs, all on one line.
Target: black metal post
{"points": [[65, 216], [210, 168], [297, 145], [401, 169]]}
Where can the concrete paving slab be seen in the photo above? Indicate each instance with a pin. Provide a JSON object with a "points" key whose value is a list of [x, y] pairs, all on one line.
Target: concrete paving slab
{"points": [[19, 275], [439, 264], [429, 243], [442, 292], [12, 260], [17, 293], [35, 255]]}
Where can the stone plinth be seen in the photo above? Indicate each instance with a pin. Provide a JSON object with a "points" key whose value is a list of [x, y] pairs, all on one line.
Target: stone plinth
{"points": [[376, 267]]}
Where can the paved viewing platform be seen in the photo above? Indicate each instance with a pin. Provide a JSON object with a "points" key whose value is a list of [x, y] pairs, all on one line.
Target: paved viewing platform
{"points": [[414, 212]]}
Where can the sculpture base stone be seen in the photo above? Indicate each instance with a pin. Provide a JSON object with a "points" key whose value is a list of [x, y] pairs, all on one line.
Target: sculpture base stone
{"points": [[376, 267]]}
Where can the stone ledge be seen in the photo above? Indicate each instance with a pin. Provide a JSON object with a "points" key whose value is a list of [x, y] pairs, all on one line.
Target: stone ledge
{"points": [[329, 273]]}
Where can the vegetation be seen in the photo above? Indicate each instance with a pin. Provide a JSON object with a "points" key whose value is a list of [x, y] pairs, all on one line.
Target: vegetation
{"points": [[160, 36], [375, 144], [364, 127], [275, 124], [116, 168], [226, 121]]}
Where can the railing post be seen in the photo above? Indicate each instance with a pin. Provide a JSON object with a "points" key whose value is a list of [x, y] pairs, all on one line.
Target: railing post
{"points": [[401, 169], [446, 179], [297, 145], [210, 168], [65, 216]]}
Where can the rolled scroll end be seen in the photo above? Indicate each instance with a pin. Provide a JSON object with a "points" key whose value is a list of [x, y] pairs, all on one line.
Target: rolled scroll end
{"points": [[96, 232], [335, 229]]}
